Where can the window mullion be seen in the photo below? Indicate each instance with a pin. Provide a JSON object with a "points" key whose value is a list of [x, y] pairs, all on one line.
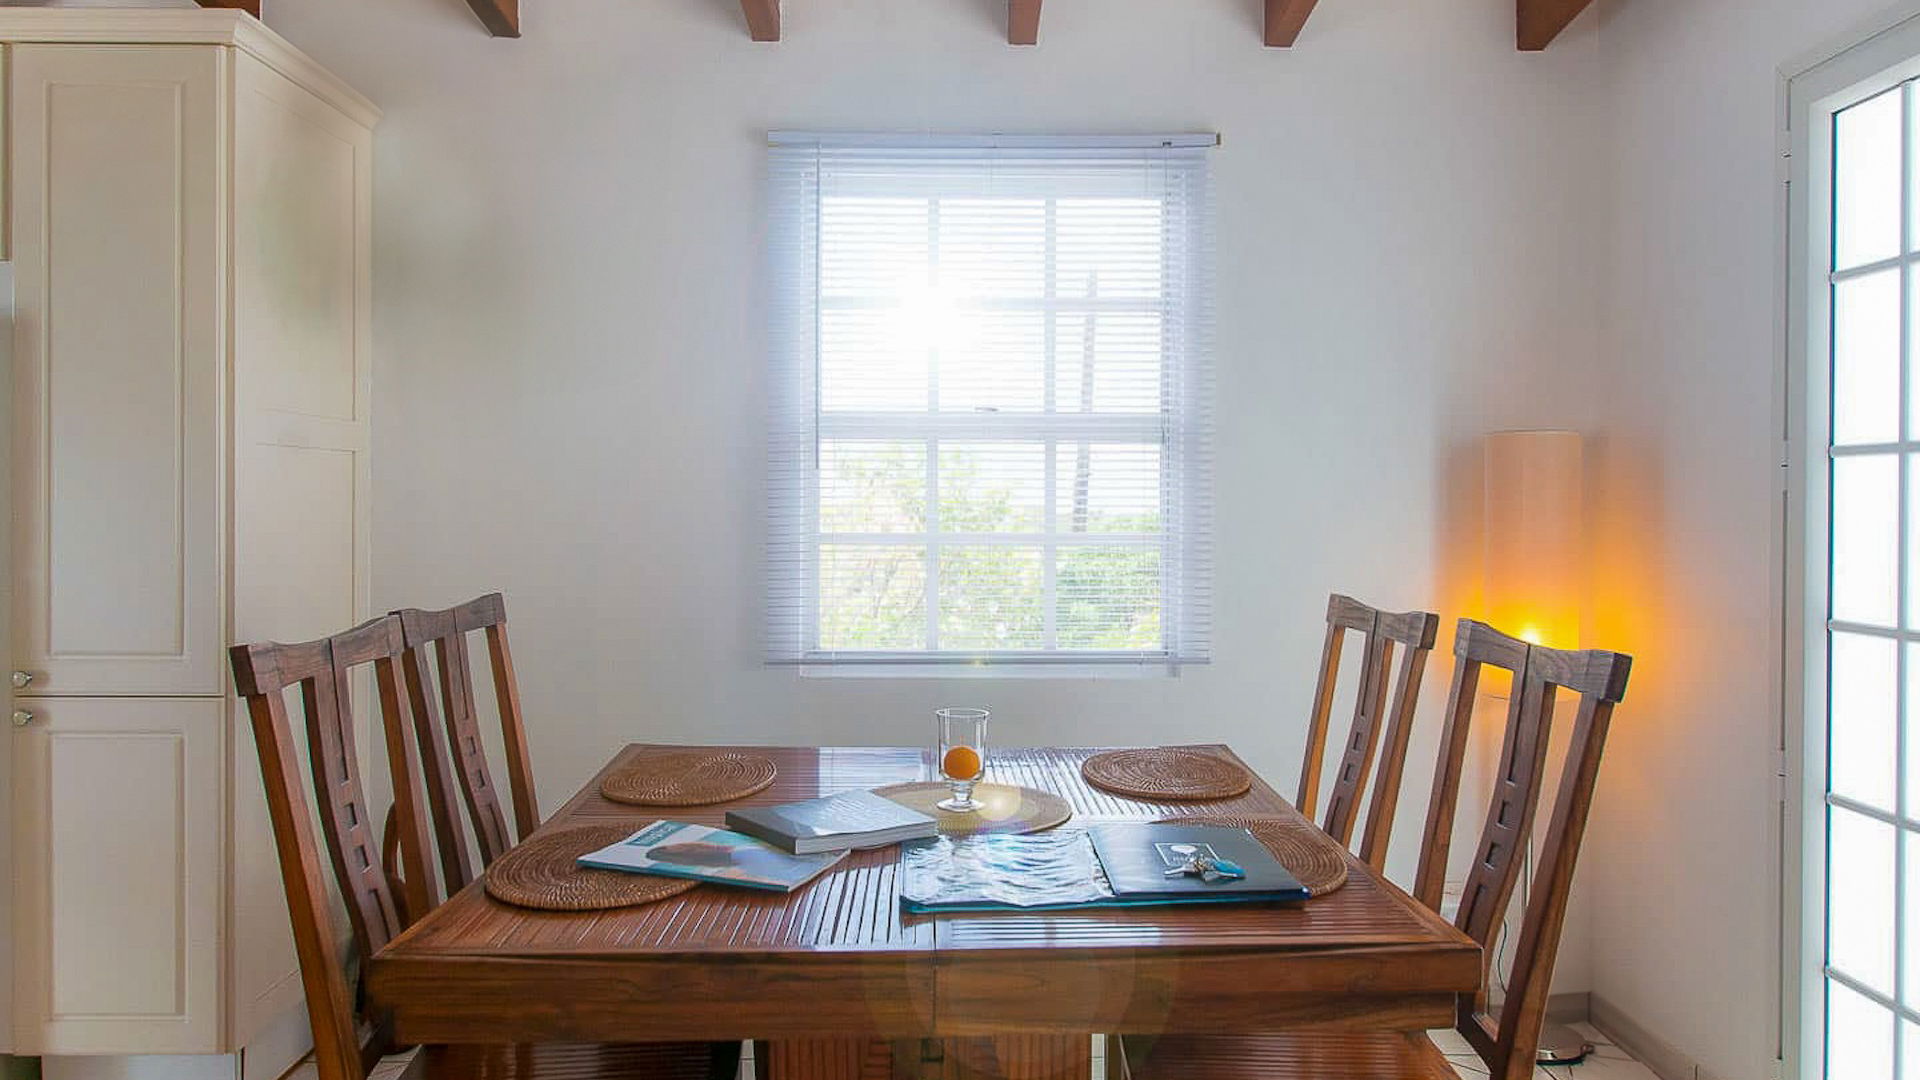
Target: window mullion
{"points": [[932, 600], [1049, 391], [1173, 599], [1901, 705]]}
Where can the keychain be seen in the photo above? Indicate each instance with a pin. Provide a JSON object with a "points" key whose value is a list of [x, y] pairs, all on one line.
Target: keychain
{"points": [[1207, 868]]}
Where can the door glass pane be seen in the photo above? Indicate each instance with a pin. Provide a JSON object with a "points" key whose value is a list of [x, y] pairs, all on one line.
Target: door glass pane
{"points": [[1866, 538], [1866, 359], [1859, 1035], [1860, 900], [1860, 743], [1866, 182], [1910, 917]]}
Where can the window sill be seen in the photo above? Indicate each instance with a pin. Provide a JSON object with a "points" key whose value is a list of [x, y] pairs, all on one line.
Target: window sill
{"points": [[1158, 668]]}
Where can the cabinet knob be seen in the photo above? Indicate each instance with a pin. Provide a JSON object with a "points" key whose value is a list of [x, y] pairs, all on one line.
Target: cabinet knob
{"points": [[22, 680], [21, 718]]}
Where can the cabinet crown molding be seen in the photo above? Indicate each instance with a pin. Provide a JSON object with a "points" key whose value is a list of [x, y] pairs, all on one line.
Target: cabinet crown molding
{"points": [[207, 26]]}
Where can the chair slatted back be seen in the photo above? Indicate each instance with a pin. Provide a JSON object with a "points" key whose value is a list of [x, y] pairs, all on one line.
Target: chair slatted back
{"points": [[1411, 635], [1382, 634], [1599, 679], [448, 732], [323, 672]]}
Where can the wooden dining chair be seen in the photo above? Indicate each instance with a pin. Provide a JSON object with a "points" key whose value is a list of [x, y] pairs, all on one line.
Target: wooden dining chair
{"points": [[344, 1047], [1382, 633], [1506, 1043], [447, 731]]}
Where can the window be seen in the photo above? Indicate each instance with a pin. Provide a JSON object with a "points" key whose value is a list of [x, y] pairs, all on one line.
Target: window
{"points": [[992, 436]]}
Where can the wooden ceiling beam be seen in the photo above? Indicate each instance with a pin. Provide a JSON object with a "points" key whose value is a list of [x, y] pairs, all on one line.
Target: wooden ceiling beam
{"points": [[763, 19], [502, 17], [1284, 20], [251, 7], [1542, 20], [1023, 22]]}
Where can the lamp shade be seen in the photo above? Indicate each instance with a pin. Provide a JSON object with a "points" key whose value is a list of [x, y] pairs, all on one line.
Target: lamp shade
{"points": [[1534, 535]]}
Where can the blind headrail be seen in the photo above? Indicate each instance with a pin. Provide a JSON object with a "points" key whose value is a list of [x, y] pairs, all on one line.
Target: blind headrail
{"points": [[855, 140]]}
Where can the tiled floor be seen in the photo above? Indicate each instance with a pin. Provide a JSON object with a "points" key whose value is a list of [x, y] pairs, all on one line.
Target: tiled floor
{"points": [[1607, 1062]]}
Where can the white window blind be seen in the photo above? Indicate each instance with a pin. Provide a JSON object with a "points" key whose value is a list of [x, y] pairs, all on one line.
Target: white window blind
{"points": [[992, 432]]}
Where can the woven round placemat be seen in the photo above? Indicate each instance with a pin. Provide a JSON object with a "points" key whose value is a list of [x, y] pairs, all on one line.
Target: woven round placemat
{"points": [[1308, 854], [541, 873], [1162, 772], [688, 778], [1005, 808]]}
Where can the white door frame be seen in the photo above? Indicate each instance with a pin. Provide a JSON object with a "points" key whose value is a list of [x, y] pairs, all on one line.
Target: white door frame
{"points": [[1879, 55]]}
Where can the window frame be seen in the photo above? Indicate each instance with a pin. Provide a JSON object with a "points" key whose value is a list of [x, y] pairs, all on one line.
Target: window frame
{"points": [[1179, 430]]}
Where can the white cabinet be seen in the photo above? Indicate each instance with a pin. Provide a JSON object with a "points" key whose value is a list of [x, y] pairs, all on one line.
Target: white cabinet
{"points": [[127, 889], [188, 220], [116, 178]]}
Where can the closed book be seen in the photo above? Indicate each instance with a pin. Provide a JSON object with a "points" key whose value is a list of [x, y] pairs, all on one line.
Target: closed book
{"points": [[858, 819], [704, 853], [1138, 860]]}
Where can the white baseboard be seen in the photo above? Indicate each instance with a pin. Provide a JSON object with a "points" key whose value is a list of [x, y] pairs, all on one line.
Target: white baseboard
{"points": [[141, 1067], [1572, 1008], [277, 1047], [1646, 1047]]}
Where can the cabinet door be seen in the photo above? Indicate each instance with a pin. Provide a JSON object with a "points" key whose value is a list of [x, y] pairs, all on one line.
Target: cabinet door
{"points": [[117, 174], [117, 875]]}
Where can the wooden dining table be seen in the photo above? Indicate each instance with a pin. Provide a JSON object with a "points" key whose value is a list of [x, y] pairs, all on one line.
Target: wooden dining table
{"points": [[839, 960]]}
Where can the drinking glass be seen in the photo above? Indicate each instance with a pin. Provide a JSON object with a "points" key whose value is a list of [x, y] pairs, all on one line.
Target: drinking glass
{"points": [[962, 755]]}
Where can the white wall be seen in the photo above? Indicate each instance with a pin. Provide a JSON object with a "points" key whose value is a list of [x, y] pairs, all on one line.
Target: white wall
{"points": [[570, 391], [1691, 563]]}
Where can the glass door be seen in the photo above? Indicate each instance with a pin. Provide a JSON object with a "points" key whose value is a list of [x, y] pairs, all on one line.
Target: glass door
{"points": [[1859, 599], [1871, 644]]}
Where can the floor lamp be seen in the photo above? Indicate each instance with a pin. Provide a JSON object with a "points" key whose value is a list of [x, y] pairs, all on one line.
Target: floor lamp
{"points": [[1535, 585]]}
